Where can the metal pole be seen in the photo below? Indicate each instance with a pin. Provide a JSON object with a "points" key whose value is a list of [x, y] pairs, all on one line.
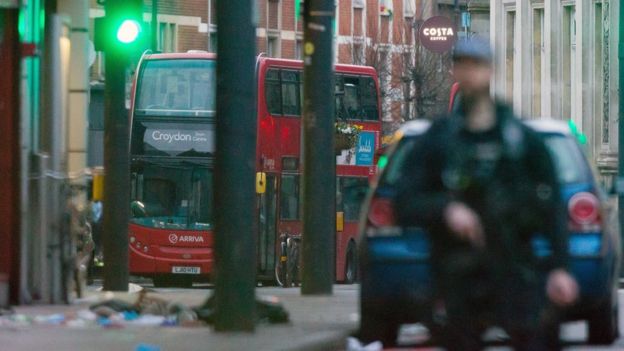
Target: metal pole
{"points": [[620, 181], [235, 168], [319, 161], [154, 27], [116, 204], [9, 157], [53, 134]]}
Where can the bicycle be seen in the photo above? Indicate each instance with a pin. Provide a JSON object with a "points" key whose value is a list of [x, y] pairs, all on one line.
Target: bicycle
{"points": [[287, 269]]}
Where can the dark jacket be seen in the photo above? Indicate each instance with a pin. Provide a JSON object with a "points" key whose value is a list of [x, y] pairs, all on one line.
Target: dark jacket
{"points": [[517, 196]]}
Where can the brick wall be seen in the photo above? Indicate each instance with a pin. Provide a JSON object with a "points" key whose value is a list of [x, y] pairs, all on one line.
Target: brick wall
{"points": [[288, 49], [344, 16], [194, 8], [273, 14], [190, 39], [288, 14], [262, 4]]}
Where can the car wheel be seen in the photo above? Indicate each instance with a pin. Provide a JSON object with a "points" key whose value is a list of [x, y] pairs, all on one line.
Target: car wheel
{"points": [[376, 328], [350, 265], [603, 324]]}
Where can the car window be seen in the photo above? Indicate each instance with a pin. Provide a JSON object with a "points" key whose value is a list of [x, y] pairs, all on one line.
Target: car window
{"points": [[396, 164], [569, 160]]}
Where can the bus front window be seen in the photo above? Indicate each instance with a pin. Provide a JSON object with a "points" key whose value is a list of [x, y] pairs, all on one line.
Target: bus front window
{"points": [[174, 197], [177, 87]]}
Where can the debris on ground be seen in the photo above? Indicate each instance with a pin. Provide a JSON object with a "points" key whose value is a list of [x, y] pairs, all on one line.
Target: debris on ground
{"points": [[147, 347], [268, 310], [141, 310], [354, 344]]}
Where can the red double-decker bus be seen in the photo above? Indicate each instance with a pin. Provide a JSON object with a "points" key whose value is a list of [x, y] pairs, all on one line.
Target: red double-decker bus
{"points": [[172, 158]]}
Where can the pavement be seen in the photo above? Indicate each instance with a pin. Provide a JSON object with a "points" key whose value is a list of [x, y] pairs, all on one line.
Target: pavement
{"points": [[317, 323]]}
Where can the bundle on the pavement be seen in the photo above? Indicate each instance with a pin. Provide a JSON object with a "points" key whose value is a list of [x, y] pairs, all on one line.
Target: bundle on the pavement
{"points": [[266, 311], [146, 305]]}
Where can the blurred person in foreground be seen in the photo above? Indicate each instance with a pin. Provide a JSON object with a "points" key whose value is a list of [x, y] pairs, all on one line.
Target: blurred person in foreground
{"points": [[483, 185]]}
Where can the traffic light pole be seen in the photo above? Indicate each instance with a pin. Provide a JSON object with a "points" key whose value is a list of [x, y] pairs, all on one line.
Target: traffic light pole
{"points": [[235, 168], [116, 204], [154, 26], [319, 161], [620, 181]]}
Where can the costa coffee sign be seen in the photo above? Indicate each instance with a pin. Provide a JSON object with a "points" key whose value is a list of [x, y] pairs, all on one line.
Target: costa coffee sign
{"points": [[438, 34]]}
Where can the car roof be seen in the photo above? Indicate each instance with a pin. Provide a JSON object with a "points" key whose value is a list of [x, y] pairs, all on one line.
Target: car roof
{"points": [[542, 125], [549, 125], [414, 127]]}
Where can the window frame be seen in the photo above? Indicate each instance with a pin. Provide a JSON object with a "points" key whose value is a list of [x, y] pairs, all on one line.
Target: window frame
{"points": [[280, 81], [296, 181]]}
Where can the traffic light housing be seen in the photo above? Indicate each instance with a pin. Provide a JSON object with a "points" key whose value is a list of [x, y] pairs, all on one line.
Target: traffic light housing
{"points": [[124, 35]]}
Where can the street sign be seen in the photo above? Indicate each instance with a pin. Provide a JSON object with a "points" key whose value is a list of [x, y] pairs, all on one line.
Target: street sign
{"points": [[438, 34]]}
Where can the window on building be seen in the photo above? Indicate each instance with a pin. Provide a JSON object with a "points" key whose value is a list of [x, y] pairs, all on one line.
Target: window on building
{"points": [[289, 197], [168, 37], [273, 45], [212, 44], [599, 84], [359, 3], [384, 81], [538, 58], [213, 12], [358, 20], [273, 14], [299, 49], [357, 51], [409, 8], [386, 7], [510, 28], [569, 61]]}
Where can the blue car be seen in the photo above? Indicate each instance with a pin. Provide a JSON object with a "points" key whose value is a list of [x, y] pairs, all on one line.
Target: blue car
{"points": [[394, 262]]}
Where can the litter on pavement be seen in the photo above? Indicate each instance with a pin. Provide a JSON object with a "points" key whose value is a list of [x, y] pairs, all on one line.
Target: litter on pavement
{"points": [[139, 310]]}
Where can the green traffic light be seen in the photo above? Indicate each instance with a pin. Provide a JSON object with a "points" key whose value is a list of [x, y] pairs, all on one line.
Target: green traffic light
{"points": [[383, 161], [128, 31]]}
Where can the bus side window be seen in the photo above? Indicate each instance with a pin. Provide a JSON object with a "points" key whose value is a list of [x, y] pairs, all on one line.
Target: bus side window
{"points": [[353, 193], [339, 108], [272, 91], [289, 197], [339, 195], [290, 93], [368, 92], [351, 99]]}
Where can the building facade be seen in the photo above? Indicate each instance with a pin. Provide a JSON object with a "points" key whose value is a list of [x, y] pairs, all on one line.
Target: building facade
{"points": [[378, 33], [558, 58]]}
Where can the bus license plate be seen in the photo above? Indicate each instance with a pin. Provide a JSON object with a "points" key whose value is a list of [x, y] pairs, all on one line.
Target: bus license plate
{"points": [[185, 270]]}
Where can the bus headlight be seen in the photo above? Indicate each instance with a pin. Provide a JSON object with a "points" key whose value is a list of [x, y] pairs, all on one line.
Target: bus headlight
{"points": [[132, 240]]}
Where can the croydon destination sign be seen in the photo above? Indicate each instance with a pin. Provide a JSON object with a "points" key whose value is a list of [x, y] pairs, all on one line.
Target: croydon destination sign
{"points": [[438, 34]]}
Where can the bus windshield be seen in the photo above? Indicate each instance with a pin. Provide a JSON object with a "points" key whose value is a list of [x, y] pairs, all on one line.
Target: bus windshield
{"points": [[172, 197], [177, 87]]}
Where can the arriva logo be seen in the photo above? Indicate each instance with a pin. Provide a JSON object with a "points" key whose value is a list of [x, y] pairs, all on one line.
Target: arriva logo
{"points": [[170, 137], [174, 239]]}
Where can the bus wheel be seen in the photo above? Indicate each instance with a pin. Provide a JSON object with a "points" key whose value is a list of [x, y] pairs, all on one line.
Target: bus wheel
{"points": [[350, 264]]}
